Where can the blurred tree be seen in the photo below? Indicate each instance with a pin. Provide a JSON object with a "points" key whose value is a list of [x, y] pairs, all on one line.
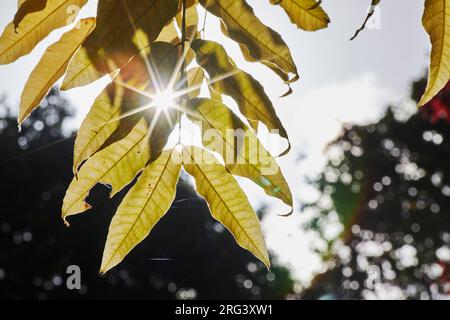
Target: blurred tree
{"points": [[389, 185], [36, 248]]}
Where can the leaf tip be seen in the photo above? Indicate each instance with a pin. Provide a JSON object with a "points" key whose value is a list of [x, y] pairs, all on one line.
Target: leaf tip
{"points": [[103, 270], [288, 92], [266, 262], [66, 223], [106, 265]]}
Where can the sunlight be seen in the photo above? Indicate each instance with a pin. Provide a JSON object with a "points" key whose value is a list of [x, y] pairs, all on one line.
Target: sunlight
{"points": [[165, 99]]}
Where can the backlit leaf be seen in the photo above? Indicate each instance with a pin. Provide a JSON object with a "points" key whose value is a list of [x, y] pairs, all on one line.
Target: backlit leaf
{"points": [[436, 20], [35, 26], [116, 110], [306, 14], [110, 46], [168, 34], [115, 166], [99, 124], [248, 157], [144, 205], [120, 162], [263, 43], [26, 7], [248, 93], [214, 94], [52, 66], [195, 77], [228, 203], [191, 19]]}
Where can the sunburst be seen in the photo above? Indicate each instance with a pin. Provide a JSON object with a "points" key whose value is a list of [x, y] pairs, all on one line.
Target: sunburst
{"points": [[165, 96]]}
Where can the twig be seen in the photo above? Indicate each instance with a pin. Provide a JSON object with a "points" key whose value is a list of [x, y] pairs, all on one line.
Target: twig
{"points": [[183, 67]]}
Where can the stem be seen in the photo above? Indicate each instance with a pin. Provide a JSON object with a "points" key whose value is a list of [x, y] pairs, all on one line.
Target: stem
{"points": [[204, 24], [183, 66]]}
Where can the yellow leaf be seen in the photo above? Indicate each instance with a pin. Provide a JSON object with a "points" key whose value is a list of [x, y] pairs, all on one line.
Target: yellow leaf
{"points": [[52, 66], [119, 163], [168, 34], [263, 43], [191, 19], [248, 93], [228, 203], [118, 108], [104, 119], [247, 157], [81, 71], [436, 20], [111, 45], [99, 124], [249, 58], [141, 209], [26, 7], [17, 42], [115, 166], [216, 95], [191, 26], [306, 14], [195, 77]]}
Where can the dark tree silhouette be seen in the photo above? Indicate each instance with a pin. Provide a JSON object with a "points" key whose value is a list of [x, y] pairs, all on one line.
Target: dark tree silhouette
{"points": [[389, 184], [188, 255]]}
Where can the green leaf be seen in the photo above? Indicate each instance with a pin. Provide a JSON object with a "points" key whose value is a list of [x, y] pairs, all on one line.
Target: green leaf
{"points": [[306, 14]]}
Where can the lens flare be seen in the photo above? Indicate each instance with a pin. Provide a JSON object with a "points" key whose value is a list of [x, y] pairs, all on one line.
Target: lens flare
{"points": [[165, 99], [168, 95]]}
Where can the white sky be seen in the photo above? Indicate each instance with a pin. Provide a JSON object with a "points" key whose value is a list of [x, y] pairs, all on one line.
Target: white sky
{"points": [[341, 82]]}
